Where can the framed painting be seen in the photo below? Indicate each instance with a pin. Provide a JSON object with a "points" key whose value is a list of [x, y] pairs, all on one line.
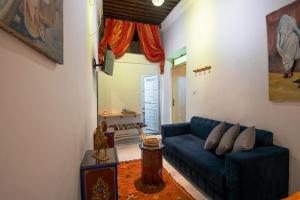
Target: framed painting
{"points": [[284, 53], [38, 23]]}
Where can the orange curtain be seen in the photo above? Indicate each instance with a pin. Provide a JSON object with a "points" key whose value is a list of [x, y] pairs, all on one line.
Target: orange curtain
{"points": [[118, 34], [151, 43]]}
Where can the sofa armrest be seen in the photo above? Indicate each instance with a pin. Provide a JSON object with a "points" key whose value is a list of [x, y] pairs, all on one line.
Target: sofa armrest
{"points": [[170, 130], [262, 173]]}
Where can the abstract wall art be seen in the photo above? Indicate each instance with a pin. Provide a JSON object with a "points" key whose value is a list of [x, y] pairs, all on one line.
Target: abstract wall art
{"points": [[38, 23], [284, 53]]}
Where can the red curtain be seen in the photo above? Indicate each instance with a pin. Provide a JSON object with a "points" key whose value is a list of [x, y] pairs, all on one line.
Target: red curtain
{"points": [[118, 34], [150, 39]]}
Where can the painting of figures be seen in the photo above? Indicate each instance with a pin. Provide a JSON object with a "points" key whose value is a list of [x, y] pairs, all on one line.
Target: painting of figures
{"points": [[284, 53], [39, 23]]}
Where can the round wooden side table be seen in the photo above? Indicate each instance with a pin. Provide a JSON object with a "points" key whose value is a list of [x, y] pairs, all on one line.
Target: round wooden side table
{"points": [[151, 164]]}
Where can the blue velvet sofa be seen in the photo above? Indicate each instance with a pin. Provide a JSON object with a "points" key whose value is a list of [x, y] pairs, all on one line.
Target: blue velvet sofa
{"points": [[259, 174]]}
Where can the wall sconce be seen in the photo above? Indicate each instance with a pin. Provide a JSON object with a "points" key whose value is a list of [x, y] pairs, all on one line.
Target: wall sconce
{"points": [[203, 69]]}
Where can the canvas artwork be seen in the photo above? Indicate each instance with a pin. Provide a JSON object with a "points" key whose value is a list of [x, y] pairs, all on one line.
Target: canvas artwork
{"points": [[39, 23], [284, 53]]}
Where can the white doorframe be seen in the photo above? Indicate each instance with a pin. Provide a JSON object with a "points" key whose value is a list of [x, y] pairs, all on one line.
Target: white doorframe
{"points": [[152, 107], [178, 98]]}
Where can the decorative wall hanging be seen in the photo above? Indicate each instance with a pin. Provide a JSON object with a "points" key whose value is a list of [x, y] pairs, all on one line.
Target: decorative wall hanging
{"points": [[38, 23], [118, 34], [284, 53], [151, 43]]}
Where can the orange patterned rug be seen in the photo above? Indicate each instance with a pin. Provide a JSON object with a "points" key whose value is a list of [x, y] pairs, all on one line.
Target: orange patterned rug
{"points": [[132, 188]]}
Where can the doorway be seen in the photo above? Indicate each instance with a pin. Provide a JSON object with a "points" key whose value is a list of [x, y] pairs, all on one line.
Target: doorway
{"points": [[151, 104], [179, 93]]}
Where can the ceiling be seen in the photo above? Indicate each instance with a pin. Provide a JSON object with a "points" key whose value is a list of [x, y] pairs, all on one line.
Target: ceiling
{"points": [[138, 10]]}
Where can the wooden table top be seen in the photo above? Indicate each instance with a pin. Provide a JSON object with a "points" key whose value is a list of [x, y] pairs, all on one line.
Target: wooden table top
{"points": [[149, 148]]}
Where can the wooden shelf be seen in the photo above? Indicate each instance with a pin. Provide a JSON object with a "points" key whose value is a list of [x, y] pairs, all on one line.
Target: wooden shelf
{"points": [[110, 115]]}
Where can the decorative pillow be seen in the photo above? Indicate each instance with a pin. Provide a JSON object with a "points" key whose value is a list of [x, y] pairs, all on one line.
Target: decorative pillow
{"points": [[227, 140], [214, 137], [245, 141]]}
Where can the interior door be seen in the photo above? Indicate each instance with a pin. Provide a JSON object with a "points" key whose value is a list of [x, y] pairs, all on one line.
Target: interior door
{"points": [[179, 94], [151, 102]]}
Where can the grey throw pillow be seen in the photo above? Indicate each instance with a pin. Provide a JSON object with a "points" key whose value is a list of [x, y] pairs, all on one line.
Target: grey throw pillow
{"points": [[214, 137], [227, 140], [245, 141]]}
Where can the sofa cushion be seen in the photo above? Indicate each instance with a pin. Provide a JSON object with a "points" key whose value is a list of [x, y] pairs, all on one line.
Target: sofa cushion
{"points": [[190, 149], [245, 141], [214, 137], [201, 127], [227, 140], [263, 138]]}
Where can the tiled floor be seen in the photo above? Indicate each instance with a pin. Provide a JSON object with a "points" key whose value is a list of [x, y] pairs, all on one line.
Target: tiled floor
{"points": [[132, 151]]}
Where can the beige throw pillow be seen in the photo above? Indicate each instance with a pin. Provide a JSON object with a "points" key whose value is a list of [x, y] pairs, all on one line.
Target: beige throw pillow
{"points": [[214, 137], [245, 141], [227, 140]]}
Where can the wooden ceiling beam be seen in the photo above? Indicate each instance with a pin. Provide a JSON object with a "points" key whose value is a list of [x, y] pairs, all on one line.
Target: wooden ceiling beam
{"points": [[117, 8], [138, 10], [113, 10], [168, 4], [111, 3], [144, 21], [106, 13], [132, 16]]}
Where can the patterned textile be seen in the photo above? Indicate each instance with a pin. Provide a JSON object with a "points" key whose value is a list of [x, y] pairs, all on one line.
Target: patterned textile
{"points": [[131, 186]]}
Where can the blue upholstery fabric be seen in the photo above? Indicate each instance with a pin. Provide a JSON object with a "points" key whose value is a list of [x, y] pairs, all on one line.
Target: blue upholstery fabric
{"points": [[258, 174], [192, 152], [212, 190], [261, 173], [201, 127], [175, 129]]}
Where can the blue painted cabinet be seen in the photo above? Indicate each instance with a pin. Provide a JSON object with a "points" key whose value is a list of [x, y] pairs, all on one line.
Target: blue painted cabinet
{"points": [[99, 178]]}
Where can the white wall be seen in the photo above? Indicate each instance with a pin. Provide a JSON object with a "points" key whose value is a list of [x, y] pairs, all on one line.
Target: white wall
{"points": [[123, 89], [166, 94], [96, 7], [48, 112], [232, 37]]}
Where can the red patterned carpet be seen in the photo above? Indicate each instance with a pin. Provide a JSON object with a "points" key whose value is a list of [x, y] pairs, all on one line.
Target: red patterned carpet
{"points": [[131, 187]]}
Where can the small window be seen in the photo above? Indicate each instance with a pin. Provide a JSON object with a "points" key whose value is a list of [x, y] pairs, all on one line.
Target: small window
{"points": [[180, 60]]}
